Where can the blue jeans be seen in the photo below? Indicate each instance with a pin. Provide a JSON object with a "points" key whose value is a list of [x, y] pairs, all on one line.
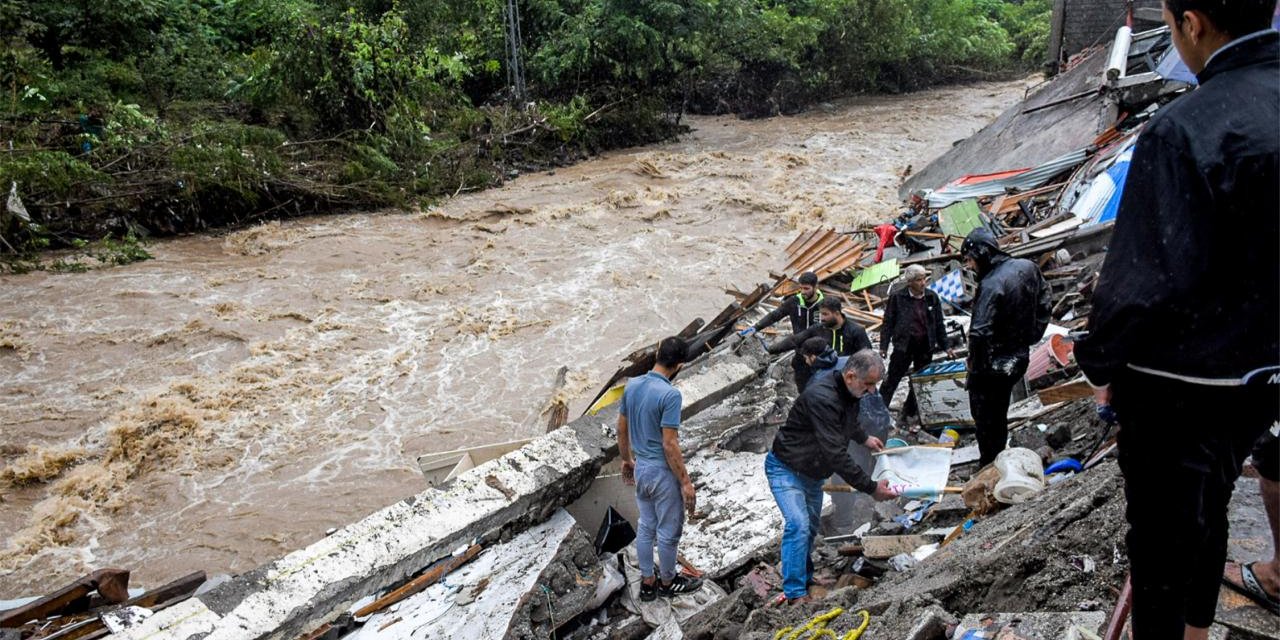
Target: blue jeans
{"points": [[661, 518], [800, 499]]}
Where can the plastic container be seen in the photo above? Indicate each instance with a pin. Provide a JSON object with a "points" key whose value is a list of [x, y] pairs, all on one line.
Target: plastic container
{"points": [[1021, 475], [948, 435]]}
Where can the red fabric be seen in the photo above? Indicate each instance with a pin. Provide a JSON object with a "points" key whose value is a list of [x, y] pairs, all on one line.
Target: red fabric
{"points": [[886, 233]]}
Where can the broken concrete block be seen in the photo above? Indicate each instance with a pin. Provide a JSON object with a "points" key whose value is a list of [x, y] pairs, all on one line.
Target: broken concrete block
{"points": [[741, 520], [518, 589], [883, 547], [931, 624], [1059, 435], [888, 510], [1038, 625]]}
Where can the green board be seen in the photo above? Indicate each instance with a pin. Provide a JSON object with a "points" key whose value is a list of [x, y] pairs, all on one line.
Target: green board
{"points": [[875, 274], [960, 218]]}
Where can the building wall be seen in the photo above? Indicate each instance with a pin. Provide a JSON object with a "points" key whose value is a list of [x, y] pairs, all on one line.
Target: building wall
{"points": [[1079, 24]]}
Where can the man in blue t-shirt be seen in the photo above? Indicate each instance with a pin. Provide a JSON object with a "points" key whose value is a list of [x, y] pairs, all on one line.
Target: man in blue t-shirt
{"points": [[648, 424]]}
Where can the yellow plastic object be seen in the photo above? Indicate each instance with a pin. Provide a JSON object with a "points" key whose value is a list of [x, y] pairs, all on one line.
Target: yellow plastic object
{"points": [[817, 628], [611, 396]]}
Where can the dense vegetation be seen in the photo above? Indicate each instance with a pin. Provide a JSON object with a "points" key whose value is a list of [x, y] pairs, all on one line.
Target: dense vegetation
{"points": [[158, 116]]}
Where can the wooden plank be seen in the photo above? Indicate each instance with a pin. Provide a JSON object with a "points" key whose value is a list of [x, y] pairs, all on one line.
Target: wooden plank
{"points": [[818, 236], [1073, 390], [839, 249], [112, 584], [432, 575], [802, 254], [813, 256], [807, 255], [801, 238]]}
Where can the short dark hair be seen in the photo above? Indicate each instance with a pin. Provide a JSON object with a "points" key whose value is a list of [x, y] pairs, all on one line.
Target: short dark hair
{"points": [[672, 351], [1234, 17], [814, 346], [831, 303], [810, 278]]}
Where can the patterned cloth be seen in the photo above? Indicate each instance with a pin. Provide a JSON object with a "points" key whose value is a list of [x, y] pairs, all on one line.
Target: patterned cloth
{"points": [[949, 287]]}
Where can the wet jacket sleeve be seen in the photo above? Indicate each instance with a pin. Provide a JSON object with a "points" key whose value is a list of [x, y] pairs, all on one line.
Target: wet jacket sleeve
{"points": [[782, 311], [982, 327], [793, 341], [889, 325], [833, 443], [860, 338], [1152, 255]]}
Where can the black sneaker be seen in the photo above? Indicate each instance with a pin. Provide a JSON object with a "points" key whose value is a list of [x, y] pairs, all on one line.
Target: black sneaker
{"points": [[648, 592], [679, 586]]}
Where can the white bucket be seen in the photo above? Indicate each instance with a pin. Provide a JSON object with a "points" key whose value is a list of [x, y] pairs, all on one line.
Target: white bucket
{"points": [[1021, 475]]}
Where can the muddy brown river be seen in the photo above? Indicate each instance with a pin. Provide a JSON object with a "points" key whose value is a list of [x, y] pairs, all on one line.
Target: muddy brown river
{"points": [[233, 398]]}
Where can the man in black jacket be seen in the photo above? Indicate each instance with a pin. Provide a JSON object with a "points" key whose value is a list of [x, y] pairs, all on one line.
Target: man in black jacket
{"points": [[913, 324], [1183, 338], [1011, 310], [809, 447], [844, 335], [801, 308]]}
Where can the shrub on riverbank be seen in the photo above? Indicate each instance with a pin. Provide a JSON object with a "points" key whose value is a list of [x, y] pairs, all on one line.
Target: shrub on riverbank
{"points": [[164, 116]]}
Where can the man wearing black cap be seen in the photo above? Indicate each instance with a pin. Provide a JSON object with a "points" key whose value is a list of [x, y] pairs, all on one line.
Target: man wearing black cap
{"points": [[1011, 310], [802, 309], [1183, 339]]}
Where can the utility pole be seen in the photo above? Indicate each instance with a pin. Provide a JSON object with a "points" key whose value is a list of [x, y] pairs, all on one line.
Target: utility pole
{"points": [[515, 66]]}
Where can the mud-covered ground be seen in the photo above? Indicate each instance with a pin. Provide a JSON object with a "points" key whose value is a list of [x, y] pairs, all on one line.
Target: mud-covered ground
{"points": [[242, 393]]}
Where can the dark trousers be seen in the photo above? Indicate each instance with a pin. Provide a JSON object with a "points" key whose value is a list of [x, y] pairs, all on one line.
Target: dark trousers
{"points": [[912, 358], [1181, 447], [989, 404]]}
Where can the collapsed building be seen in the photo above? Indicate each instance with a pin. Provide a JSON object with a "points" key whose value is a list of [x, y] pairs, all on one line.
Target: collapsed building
{"points": [[530, 539]]}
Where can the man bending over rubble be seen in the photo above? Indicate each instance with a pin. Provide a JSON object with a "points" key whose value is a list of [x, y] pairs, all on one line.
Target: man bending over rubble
{"points": [[648, 443], [844, 335], [1183, 345], [809, 447], [1011, 310]]}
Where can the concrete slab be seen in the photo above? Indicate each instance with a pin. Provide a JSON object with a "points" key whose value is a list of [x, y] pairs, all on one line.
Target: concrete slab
{"points": [[501, 593], [742, 521]]}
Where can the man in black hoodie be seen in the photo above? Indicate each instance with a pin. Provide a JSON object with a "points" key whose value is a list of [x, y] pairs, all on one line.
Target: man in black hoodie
{"points": [[810, 446], [1183, 343], [1011, 310], [845, 336], [801, 309]]}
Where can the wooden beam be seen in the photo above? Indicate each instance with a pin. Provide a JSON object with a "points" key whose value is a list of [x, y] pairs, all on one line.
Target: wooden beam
{"points": [[112, 584], [432, 575]]}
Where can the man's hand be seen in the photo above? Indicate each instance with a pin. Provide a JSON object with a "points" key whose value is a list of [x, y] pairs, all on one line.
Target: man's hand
{"points": [[690, 498], [629, 472], [951, 354], [883, 492], [873, 443]]}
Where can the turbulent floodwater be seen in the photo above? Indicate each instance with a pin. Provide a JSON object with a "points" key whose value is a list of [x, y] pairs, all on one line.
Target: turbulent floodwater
{"points": [[232, 399]]}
